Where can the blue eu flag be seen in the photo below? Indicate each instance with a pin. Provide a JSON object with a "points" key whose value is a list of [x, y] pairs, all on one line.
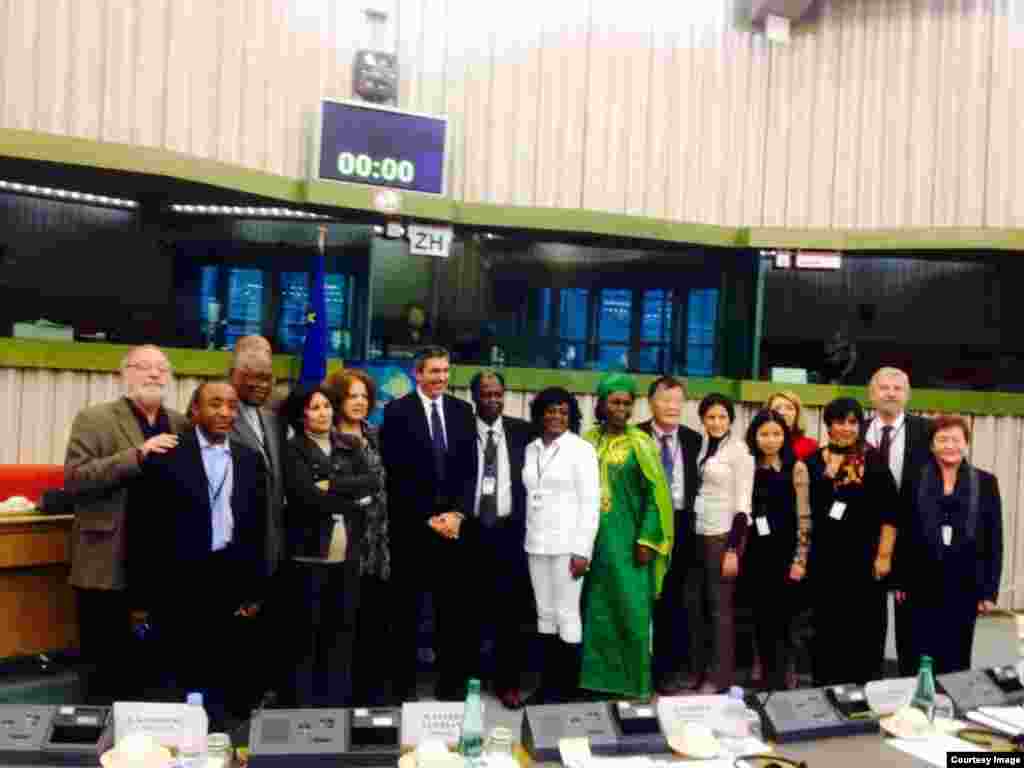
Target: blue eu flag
{"points": [[314, 351]]}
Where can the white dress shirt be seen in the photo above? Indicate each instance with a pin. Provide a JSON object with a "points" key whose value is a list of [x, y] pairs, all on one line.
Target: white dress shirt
{"points": [[428, 406], [677, 483], [504, 484], [563, 499], [220, 482], [897, 443], [726, 487]]}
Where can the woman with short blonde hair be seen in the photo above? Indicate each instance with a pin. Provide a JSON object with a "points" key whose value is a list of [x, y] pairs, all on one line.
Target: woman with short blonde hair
{"points": [[788, 405]]}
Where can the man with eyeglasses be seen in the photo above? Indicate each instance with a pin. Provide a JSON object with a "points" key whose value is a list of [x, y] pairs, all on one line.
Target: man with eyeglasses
{"points": [[108, 445]]}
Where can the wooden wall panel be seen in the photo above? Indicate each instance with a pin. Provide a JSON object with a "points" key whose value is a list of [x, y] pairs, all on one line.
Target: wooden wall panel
{"points": [[38, 406], [865, 120]]}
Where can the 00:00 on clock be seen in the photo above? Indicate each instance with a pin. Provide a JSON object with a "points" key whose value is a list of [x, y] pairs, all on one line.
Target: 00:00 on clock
{"points": [[366, 167]]}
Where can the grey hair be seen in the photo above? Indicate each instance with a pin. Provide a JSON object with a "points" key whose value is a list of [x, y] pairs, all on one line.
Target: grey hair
{"points": [[886, 373], [126, 360]]}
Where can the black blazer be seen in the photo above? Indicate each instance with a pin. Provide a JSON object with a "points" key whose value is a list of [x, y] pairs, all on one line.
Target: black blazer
{"points": [[308, 516], [922, 537], [689, 441], [917, 454], [518, 434], [171, 525], [415, 493]]}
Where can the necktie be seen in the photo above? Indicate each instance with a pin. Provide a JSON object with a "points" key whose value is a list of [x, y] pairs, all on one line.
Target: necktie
{"points": [[489, 501], [886, 444], [437, 438], [667, 460]]}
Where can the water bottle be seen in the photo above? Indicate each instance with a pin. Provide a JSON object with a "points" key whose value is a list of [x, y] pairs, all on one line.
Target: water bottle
{"points": [[739, 720], [471, 742], [194, 732], [924, 692]]}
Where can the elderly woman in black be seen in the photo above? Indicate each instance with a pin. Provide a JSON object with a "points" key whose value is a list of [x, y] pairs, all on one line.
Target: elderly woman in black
{"points": [[953, 547], [330, 487], [854, 509]]}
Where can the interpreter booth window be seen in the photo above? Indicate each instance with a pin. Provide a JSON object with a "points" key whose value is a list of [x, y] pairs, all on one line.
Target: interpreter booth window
{"points": [[295, 302], [233, 302], [637, 329]]}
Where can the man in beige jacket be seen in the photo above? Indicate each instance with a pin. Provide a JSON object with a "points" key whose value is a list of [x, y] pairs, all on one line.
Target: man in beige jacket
{"points": [[105, 452]]}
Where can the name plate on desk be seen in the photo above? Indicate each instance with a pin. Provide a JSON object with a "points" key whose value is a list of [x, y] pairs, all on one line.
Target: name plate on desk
{"points": [[162, 721]]}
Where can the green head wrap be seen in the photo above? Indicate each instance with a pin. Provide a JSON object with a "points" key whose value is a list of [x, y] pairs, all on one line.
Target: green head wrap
{"points": [[616, 382]]}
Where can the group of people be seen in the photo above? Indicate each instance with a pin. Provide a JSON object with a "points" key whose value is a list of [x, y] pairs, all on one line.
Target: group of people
{"points": [[291, 550]]}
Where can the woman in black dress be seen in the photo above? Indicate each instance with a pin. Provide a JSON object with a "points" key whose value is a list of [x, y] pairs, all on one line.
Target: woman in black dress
{"points": [[954, 550], [776, 554], [854, 509]]}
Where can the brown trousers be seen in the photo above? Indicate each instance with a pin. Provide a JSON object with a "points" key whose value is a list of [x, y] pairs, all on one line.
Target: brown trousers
{"points": [[711, 607]]}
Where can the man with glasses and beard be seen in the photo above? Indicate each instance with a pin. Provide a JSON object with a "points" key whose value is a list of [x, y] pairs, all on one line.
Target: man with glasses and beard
{"points": [[107, 447]]}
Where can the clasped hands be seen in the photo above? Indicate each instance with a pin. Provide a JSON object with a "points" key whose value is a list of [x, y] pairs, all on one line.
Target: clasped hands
{"points": [[446, 524]]}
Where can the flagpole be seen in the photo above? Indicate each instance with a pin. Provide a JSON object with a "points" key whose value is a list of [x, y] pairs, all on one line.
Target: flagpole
{"points": [[316, 315]]}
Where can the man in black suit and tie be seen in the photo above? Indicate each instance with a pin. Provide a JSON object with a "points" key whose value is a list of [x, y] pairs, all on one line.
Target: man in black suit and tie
{"points": [[196, 559], [679, 446], [428, 443], [495, 534], [257, 427], [904, 440]]}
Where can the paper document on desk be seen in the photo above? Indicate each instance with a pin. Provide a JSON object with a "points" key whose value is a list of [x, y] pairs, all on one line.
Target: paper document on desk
{"points": [[1008, 720], [933, 750]]}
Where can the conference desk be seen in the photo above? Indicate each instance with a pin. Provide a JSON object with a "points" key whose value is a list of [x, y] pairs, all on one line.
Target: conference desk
{"points": [[839, 752], [36, 602]]}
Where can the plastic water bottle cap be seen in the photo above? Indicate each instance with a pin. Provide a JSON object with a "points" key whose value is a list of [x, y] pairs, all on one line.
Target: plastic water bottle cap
{"points": [[736, 692], [195, 698]]}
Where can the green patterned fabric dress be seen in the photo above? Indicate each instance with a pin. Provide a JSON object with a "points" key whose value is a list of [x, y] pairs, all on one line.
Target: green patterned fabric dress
{"points": [[619, 594]]}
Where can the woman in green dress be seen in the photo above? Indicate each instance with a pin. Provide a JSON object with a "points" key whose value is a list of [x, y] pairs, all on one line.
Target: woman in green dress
{"points": [[631, 553]]}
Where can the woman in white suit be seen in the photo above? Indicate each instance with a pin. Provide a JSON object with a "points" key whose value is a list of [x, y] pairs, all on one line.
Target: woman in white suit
{"points": [[563, 496]]}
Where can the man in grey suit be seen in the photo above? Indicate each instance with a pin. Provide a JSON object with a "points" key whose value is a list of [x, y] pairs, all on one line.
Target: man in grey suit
{"points": [[257, 427], [104, 458]]}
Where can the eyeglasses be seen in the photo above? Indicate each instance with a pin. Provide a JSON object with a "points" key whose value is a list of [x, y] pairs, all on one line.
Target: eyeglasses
{"points": [[768, 761], [147, 367]]}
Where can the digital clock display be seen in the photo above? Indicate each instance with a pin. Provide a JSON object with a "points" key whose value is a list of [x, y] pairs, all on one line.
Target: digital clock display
{"points": [[381, 147]]}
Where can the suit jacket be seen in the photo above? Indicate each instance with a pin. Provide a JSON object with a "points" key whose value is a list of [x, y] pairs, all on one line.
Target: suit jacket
{"points": [[917, 455], [689, 441], [922, 536], [310, 510], [273, 459], [171, 526], [415, 493], [518, 434], [100, 465]]}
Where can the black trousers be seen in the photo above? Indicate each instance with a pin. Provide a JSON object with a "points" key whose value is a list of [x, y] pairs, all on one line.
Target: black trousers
{"points": [[906, 656], [204, 646], [763, 587], [425, 564], [372, 655], [325, 598], [105, 646], [506, 599], [849, 630], [671, 625]]}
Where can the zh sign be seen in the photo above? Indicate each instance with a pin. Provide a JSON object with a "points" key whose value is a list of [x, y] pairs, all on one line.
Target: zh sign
{"points": [[430, 241]]}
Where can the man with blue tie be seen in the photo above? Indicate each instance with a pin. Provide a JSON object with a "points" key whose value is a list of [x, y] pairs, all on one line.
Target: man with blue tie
{"points": [[428, 443], [197, 560]]}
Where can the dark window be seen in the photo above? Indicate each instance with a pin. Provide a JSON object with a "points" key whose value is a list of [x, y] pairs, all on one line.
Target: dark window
{"points": [[701, 323]]}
